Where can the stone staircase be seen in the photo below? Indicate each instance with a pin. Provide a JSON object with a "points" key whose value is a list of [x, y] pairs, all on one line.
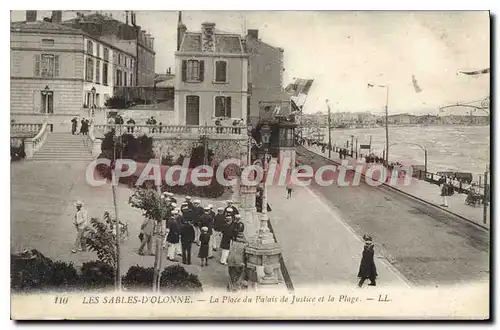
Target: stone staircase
{"points": [[63, 146]]}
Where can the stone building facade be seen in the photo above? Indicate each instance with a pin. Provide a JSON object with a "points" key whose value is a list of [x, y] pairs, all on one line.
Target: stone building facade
{"points": [[212, 77]]}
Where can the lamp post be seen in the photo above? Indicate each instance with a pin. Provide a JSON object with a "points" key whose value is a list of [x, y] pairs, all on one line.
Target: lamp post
{"points": [[266, 136], [424, 149], [329, 131]]}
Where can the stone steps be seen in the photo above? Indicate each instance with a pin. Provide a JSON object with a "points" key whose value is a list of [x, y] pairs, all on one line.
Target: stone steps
{"points": [[64, 147]]}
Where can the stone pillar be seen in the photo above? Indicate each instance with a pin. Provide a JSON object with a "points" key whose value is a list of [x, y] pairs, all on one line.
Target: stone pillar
{"points": [[28, 148], [248, 210]]}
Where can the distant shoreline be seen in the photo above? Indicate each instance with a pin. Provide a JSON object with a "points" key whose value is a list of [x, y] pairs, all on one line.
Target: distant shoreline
{"points": [[400, 125]]}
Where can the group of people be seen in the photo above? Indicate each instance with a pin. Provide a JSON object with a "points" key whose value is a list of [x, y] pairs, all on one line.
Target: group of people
{"points": [[84, 126], [211, 229], [192, 223]]}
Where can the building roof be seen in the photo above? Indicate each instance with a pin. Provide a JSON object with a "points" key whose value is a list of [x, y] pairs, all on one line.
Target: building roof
{"points": [[42, 27], [224, 43]]}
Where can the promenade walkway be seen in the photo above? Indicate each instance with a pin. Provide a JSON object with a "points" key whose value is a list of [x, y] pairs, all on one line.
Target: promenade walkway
{"points": [[427, 192], [319, 248]]}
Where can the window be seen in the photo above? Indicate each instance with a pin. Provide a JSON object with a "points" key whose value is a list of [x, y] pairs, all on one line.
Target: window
{"points": [[97, 49], [47, 102], [47, 42], [98, 71], [89, 72], [131, 80], [105, 74], [193, 70], [118, 81], [120, 59], [124, 78], [220, 71], [90, 47], [47, 65], [106, 54], [222, 106]]}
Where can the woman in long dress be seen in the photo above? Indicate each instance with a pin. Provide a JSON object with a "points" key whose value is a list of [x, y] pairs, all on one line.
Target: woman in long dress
{"points": [[367, 268], [204, 246], [236, 263]]}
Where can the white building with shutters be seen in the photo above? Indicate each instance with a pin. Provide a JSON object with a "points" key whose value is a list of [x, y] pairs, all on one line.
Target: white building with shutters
{"points": [[212, 79], [55, 68]]}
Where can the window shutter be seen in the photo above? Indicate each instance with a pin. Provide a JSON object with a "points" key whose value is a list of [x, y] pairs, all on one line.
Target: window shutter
{"points": [[37, 65], [218, 107], [56, 66], [222, 71], [184, 70], [228, 107], [202, 70]]}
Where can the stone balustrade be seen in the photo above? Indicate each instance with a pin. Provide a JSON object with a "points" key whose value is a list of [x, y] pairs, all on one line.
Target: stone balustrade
{"points": [[176, 131], [32, 145], [21, 130]]}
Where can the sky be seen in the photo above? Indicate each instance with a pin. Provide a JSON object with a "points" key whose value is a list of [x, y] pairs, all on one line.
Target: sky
{"points": [[344, 51]]}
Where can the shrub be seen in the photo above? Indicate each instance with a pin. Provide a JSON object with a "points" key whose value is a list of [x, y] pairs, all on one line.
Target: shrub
{"points": [[97, 274], [176, 278], [30, 270], [64, 275], [138, 278]]}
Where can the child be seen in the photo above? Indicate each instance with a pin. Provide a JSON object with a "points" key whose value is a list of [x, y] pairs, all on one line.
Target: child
{"points": [[204, 246]]}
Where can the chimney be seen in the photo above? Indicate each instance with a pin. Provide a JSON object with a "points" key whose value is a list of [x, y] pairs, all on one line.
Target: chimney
{"points": [[30, 15], [57, 16], [208, 38], [253, 34], [181, 31], [126, 17]]}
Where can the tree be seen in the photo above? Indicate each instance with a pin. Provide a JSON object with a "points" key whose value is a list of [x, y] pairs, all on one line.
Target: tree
{"points": [[102, 240], [148, 200], [116, 102]]}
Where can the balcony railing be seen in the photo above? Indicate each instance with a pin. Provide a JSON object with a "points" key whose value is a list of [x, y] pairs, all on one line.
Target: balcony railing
{"points": [[24, 129], [175, 130]]}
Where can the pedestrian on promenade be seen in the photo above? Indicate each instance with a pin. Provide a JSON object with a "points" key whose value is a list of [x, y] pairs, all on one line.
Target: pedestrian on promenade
{"points": [[236, 262], [289, 190], [230, 208], [204, 246], [147, 230], [82, 126], [81, 222], [172, 238], [225, 243], [187, 239], [219, 222], [444, 193], [367, 268], [74, 122], [207, 221]]}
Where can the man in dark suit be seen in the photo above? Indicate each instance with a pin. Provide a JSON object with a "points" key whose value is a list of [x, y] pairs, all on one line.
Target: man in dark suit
{"points": [[187, 239]]}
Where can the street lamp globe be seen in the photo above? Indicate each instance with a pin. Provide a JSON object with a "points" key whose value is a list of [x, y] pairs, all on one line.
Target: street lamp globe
{"points": [[93, 90]]}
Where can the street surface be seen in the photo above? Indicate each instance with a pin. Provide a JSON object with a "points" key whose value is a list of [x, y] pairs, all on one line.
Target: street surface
{"points": [[426, 245], [42, 210]]}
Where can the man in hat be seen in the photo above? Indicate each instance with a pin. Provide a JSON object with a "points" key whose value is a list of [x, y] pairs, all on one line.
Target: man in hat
{"points": [[212, 212], [230, 205], [173, 238], [81, 222], [171, 197], [207, 221], [219, 222], [227, 236], [187, 239], [187, 200], [237, 226], [187, 213], [198, 212]]}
